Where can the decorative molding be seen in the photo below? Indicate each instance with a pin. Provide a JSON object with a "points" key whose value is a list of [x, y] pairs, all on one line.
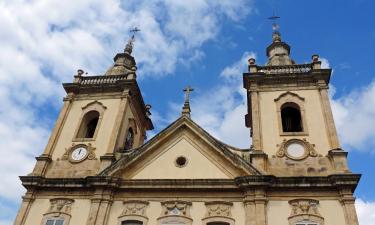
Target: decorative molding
{"points": [[291, 94], [134, 208], [176, 208], [95, 104], [60, 205], [308, 147], [218, 209], [175, 212], [89, 147], [305, 210]]}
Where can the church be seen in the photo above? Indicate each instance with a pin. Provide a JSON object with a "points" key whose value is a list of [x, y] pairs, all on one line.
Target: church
{"points": [[97, 168]]}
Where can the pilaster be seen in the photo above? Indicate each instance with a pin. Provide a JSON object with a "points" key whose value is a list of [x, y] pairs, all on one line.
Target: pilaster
{"points": [[256, 122], [109, 157], [27, 201], [44, 159], [100, 207], [255, 203], [328, 117], [347, 201], [259, 160], [338, 159]]}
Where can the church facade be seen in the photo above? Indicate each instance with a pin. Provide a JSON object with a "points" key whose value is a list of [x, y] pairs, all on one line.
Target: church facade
{"points": [[97, 168]]}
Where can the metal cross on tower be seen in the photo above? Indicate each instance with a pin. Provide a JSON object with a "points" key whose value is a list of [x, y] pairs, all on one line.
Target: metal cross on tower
{"points": [[129, 45], [274, 18], [134, 31]]}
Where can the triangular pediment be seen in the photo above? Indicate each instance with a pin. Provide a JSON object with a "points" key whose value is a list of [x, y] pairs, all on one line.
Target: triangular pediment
{"points": [[164, 155]]}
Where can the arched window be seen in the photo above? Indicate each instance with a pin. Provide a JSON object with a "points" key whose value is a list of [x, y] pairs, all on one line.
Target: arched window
{"points": [[88, 125], [129, 140], [131, 222], [291, 118], [217, 223]]}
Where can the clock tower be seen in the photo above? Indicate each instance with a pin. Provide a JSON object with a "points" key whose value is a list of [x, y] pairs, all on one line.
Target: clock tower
{"points": [[102, 116]]}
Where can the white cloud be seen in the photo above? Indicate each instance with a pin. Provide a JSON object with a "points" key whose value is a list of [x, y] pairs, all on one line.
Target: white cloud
{"points": [[355, 111], [325, 63], [365, 212]]}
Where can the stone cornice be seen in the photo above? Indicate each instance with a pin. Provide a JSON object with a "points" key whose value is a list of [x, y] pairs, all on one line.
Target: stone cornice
{"points": [[310, 79], [111, 84], [339, 181]]}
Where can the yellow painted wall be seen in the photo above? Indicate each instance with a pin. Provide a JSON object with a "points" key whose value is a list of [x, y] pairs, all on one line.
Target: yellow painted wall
{"points": [[72, 124], [331, 210], [38, 208], [314, 118], [163, 166], [197, 211], [79, 212]]}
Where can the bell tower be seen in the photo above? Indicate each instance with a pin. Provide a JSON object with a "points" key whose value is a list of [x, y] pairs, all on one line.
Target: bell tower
{"points": [[102, 116], [290, 117]]}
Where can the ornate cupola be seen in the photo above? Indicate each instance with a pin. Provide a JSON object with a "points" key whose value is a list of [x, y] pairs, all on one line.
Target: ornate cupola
{"points": [[124, 62], [278, 52]]}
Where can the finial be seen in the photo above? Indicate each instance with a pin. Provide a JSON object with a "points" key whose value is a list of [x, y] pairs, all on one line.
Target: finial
{"points": [[130, 44], [80, 72], [276, 37], [148, 108], [274, 18], [186, 108]]}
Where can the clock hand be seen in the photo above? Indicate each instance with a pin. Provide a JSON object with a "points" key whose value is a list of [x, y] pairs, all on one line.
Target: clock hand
{"points": [[79, 152]]}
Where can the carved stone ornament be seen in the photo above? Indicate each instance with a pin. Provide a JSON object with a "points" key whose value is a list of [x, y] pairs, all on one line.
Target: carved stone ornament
{"points": [[176, 208], [218, 209], [305, 210], [90, 152], [60, 205], [296, 149], [134, 208]]}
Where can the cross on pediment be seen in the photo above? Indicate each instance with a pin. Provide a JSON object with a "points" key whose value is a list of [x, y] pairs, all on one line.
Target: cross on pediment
{"points": [[187, 91]]}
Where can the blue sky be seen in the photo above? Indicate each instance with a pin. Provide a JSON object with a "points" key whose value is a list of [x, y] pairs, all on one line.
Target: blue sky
{"points": [[202, 43]]}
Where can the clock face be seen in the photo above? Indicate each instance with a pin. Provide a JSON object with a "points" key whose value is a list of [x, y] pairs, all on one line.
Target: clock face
{"points": [[79, 154]]}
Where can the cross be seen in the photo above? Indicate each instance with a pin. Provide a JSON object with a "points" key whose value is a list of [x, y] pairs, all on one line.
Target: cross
{"points": [[187, 91], [274, 18], [134, 31]]}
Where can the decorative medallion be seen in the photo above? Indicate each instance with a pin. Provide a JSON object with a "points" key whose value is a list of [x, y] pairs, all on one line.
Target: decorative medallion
{"points": [[296, 149], [60, 205], [222, 209], [305, 210], [176, 208], [134, 208], [78, 153]]}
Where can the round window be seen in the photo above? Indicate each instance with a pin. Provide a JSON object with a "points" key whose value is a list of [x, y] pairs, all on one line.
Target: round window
{"points": [[181, 161]]}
